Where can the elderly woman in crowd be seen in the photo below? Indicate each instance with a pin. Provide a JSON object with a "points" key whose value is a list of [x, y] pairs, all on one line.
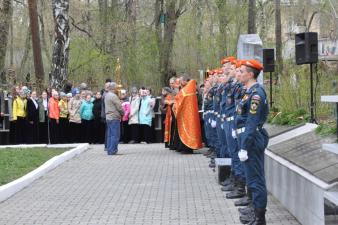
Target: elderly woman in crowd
{"points": [[74, 116], [19, 115], [125, 118], [99, 125], [33, 118], [64, 122], [43, 118], [145, 115], [86, 114], [134, 126], [54, 117]]}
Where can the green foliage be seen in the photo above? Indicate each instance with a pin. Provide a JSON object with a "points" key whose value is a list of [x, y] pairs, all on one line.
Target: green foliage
{"points": [[15, 163], [327, 128], [291, 95], [289, 118]]}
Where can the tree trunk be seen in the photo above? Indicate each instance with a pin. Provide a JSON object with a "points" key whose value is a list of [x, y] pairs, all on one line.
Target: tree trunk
{"points": [[173, 12], [278, 35], [252, 17], [61, 44], [28, 46], [34, 25], [103, 13], [5, 12], [222, 16]]}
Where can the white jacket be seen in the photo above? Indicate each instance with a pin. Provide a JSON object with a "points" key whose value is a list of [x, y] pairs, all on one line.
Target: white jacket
{"points": [[134, 110]]}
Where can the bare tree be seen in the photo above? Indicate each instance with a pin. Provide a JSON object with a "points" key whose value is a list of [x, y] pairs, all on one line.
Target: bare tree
{"points": [[252, 17], [61, 44], [34, 25]]}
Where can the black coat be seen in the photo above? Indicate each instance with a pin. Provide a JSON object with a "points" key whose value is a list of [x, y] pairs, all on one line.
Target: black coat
{"points": [[97, 108], [32, 111]]}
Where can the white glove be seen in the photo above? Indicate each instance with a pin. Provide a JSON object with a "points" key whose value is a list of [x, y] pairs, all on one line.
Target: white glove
{"points": [[233, 133], [213, 124], [222, 126], [243, 155], [209, 120]]}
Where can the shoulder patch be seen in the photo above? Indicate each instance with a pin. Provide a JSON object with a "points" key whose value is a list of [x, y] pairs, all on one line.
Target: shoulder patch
{"points": [[254, 105]]}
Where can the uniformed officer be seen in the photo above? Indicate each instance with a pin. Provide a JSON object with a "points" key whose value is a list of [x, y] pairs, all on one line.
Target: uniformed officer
{"points": [[207, 107], [218, 114], [213, 120], [237, 187], [252, 113]]}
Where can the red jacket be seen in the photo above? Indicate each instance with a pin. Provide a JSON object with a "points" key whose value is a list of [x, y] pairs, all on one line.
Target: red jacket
{"points": [[53, 109]]}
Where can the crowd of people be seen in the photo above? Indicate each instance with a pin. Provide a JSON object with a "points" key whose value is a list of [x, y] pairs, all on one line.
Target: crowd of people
{"points": [[233, 104], [234, 111], [78, 116]]}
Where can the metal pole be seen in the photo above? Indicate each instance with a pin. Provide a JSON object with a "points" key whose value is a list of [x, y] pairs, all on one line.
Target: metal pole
{"points": [[312, 119], [270, 90]]}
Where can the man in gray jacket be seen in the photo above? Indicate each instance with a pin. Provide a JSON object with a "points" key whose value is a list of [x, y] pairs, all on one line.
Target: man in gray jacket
{"points": [[114, 112]]}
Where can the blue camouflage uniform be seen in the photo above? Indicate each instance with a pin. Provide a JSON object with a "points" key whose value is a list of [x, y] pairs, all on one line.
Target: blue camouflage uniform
{"points": [[252, 112], [232, 94], [219, 127]]}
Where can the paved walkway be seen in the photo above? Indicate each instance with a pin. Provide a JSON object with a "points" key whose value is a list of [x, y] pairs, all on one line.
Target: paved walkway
{"points": [[145, 184]]}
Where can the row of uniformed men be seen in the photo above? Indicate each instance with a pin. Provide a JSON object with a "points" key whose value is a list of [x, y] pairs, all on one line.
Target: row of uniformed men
{"points": [[235, 109]]}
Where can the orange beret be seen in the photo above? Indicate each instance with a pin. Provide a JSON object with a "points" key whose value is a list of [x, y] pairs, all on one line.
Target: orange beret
{"points": [[239, 63], [228, 59], [220, 71], [211, 72], [253, 64]]}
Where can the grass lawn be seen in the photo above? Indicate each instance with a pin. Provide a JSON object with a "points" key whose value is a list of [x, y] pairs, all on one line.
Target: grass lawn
{"points": [[15, 163]]}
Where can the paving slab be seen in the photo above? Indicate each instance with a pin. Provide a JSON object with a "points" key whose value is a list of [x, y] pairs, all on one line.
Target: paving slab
{"points": [[144, 184]]}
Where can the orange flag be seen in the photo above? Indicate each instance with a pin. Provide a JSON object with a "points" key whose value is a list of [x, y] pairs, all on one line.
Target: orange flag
{"points": [[188, 120]]}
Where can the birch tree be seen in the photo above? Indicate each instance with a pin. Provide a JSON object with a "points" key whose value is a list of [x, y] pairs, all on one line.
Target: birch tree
{"points": [[58, 76]]}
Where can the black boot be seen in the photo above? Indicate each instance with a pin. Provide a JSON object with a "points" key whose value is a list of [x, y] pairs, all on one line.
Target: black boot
{"points": [[210, 151], [229, 187], [228, 181], [246, 210], [212, 163], [247, 218], [259, 217], [239, 191], [246, 200]]}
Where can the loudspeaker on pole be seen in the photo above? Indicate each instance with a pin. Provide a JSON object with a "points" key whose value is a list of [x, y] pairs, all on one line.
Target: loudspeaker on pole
{"points": [[269, 60], [306, 48]]}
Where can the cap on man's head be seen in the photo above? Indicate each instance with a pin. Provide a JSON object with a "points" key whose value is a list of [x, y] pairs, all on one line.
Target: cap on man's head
{"points": [[253, 64], [62, 94], [228, 59]]}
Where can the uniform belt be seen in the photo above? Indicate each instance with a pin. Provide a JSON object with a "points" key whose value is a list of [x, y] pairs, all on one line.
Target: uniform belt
{"points": [[242, 130], [231, 119]]}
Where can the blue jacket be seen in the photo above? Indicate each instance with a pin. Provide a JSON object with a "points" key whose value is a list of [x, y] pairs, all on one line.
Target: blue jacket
{"points": [[252, 112], [86, 110], [145, 116]]}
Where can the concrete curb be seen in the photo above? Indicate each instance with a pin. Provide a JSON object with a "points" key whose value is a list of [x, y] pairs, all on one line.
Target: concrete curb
{"points": [[8, 190]]}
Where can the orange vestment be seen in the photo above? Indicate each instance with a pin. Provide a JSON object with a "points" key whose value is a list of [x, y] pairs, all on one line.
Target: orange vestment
{"points": [[168, 119], [188, 120]]}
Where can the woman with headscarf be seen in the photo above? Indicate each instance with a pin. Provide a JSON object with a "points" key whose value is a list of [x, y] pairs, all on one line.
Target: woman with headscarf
{"points": [[125, 118], [134, 126], [74, 116], [99, 125], [145, 115]]}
